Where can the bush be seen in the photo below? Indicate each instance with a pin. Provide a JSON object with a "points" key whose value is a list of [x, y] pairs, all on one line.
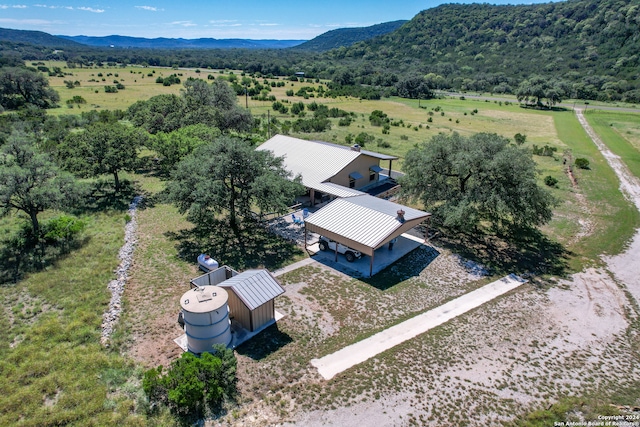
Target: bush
{"points": [[520, 138], [193, 386], [582, 163], [544, 151], [550, 181]]}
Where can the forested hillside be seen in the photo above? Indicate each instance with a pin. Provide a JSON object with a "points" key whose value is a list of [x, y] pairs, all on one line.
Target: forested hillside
{"points": [[585, 49], [591, 43], [348, 36]]}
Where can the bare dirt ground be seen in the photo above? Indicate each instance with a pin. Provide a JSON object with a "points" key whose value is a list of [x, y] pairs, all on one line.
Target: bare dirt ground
{"points": [[517, 352]]}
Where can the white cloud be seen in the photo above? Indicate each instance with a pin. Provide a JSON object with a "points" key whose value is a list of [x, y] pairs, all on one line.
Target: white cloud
{"points": [[183, 23], [39, 22], [149, 8], [269, 25], [13, 6], [225, 23], [90, 9]]}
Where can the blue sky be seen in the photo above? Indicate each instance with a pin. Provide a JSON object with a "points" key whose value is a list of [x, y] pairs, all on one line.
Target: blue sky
{"points": [[248, 19]]}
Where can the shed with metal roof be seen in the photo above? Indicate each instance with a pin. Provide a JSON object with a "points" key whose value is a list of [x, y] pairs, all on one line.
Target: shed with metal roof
{"points": [[364, 222], [251, 301]]}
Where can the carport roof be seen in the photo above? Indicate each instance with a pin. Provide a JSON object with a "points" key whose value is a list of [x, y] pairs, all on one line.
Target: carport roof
{"points": [[363, 222]]}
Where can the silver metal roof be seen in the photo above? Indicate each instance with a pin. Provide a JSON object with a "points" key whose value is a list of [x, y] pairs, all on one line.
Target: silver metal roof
{"points": [[364, 221], [316, 161], [336, 189], [254, 287]]}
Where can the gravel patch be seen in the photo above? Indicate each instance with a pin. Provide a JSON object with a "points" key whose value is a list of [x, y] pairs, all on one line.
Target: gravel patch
{"points": [[116, 287]]}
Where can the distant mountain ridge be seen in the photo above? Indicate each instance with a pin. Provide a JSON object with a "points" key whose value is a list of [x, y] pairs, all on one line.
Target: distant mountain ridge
{"points": [[117, 41], [348, 36], [38, 38]]}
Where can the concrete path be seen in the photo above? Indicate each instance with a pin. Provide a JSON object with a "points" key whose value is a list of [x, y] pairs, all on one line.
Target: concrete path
{"points": [[293, 266], [332, 364]]}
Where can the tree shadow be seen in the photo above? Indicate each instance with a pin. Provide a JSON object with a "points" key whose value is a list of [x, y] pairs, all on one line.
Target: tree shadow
{"points": [[19, 257], [524, 252], [253, 247], [101, 196], [266, 342]]}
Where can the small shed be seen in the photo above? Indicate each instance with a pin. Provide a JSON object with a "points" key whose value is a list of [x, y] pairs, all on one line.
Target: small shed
{"points": [[251, 301]]}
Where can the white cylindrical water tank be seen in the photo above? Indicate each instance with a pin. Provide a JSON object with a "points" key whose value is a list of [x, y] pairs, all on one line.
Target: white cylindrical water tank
{"points": [[206, 318]]}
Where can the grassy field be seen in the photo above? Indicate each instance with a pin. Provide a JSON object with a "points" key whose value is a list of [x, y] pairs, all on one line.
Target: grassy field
{"points": [[55, 372]]}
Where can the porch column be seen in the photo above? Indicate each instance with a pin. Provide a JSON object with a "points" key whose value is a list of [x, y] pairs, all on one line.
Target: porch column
{"points": [[371, 263]]}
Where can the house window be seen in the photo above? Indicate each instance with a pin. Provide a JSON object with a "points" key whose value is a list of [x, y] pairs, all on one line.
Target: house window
{"points": [[372, 176], [352, 183]]}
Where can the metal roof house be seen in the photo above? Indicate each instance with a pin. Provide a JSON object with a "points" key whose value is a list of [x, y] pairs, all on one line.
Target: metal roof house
{"points": [[251, 294], [355, 219], [328, 169]]}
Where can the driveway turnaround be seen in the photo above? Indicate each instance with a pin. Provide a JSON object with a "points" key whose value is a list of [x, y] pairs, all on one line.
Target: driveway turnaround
{"points": [[332, 364]]}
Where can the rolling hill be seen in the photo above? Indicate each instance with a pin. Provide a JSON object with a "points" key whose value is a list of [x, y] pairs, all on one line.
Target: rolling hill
{"points": [[348, 36], [179, 43]]}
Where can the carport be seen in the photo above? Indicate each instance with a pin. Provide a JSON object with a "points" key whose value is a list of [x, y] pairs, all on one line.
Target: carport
{"points": [[363, 222]]}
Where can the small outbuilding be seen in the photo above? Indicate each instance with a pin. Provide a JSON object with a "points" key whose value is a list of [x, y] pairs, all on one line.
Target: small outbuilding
{"points": [[251, 294], [251, 300]]}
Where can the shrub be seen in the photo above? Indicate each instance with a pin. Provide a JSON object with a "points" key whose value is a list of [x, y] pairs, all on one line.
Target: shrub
{"points": [[193, 385], [378, 118], [544, 151], [582, 163], [364, 138], [550, 181], [520, 138]]}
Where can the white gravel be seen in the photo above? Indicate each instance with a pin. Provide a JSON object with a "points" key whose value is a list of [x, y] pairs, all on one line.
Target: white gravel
{"points": [[116, 287]]}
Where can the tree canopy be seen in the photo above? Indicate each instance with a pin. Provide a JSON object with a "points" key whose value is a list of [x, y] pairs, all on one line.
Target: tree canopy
{"points": [[173, 146], [465, 181], [30, 182], [229, 177], [21, 86], [102, 149], [536, 89], [212, 104]]}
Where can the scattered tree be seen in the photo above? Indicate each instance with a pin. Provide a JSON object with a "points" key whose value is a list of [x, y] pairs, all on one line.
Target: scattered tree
{"points": [[30, 182], [582, 163], [22, 86], [102, 149], [536, 89], [414, 87], [466, 181], [230, 177]]}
